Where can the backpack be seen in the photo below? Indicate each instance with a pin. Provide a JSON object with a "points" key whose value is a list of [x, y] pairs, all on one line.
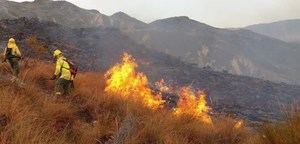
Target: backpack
{"points": [[73, 68]]}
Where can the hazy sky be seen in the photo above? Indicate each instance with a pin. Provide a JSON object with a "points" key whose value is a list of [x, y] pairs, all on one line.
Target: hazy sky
{"points": [[219, 13]]}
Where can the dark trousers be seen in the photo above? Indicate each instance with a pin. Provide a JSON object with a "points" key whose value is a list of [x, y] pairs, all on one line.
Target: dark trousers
{"points": [[63, 87], [14, 64]]}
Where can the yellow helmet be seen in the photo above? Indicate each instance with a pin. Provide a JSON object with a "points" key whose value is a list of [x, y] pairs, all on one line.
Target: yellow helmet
{"points": [[12, 40], [11, 43], [57, 53]]}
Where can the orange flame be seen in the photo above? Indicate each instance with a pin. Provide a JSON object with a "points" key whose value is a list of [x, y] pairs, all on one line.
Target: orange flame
{"points": [[239, 124], [162, 87], [123, 80], [193, 104]]}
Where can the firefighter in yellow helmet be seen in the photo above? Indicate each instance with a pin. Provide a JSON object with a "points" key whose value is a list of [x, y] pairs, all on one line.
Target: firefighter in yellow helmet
{"points": [[64, 83], [13, 55]]}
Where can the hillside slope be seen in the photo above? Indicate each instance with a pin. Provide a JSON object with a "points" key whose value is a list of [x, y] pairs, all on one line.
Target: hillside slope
{"points": [[61, 12], [32, 114], [91, 115], [288, 30], [239, 52], [100, 48]]}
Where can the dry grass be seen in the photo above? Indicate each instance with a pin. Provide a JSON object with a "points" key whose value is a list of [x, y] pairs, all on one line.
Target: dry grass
{"points": [[287, 132], [33, 115]]}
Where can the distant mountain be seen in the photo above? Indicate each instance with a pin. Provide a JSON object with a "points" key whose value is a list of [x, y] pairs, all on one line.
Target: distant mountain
{"points": [[237, 51], [182, 23], [61, 12], [67, 14], [288, 30], [99, 48], [125, 22]]}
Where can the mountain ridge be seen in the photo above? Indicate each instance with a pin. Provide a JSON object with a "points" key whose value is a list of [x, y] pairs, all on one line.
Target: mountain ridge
{"points": [[123, 21], [61, 12], [180, 21], [237, 51], [286, 30]]}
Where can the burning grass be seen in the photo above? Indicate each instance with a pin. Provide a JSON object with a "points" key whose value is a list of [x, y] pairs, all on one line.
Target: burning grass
{"points": [[193, 104], [116, 108], [124, 81]]}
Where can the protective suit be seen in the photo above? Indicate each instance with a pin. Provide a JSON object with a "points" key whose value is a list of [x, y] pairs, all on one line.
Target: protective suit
{"points": [[13, 55], [64, 83]]}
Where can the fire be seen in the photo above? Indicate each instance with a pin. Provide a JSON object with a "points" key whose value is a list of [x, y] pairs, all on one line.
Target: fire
{"points": [[239, 124], [123, 80], [162, 87], [193, 104]]}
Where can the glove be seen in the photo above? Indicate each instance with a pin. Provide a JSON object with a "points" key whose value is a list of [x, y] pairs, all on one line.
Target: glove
{"points": [[53, 77]]}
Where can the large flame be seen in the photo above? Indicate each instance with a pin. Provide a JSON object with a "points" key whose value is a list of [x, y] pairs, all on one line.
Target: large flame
{"points": [[123, 80], [193, 104]]}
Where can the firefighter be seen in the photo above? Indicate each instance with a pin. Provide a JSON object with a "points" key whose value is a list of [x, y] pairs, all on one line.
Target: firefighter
{"points": [[13, 55], [64, 83]]}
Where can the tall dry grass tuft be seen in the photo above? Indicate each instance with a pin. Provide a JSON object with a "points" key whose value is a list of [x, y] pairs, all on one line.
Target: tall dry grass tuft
{"points": [[287, 132]]}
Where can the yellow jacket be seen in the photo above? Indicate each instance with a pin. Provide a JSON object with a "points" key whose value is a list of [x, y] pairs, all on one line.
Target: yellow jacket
{"points": [[62, 69], [12, 49]]}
